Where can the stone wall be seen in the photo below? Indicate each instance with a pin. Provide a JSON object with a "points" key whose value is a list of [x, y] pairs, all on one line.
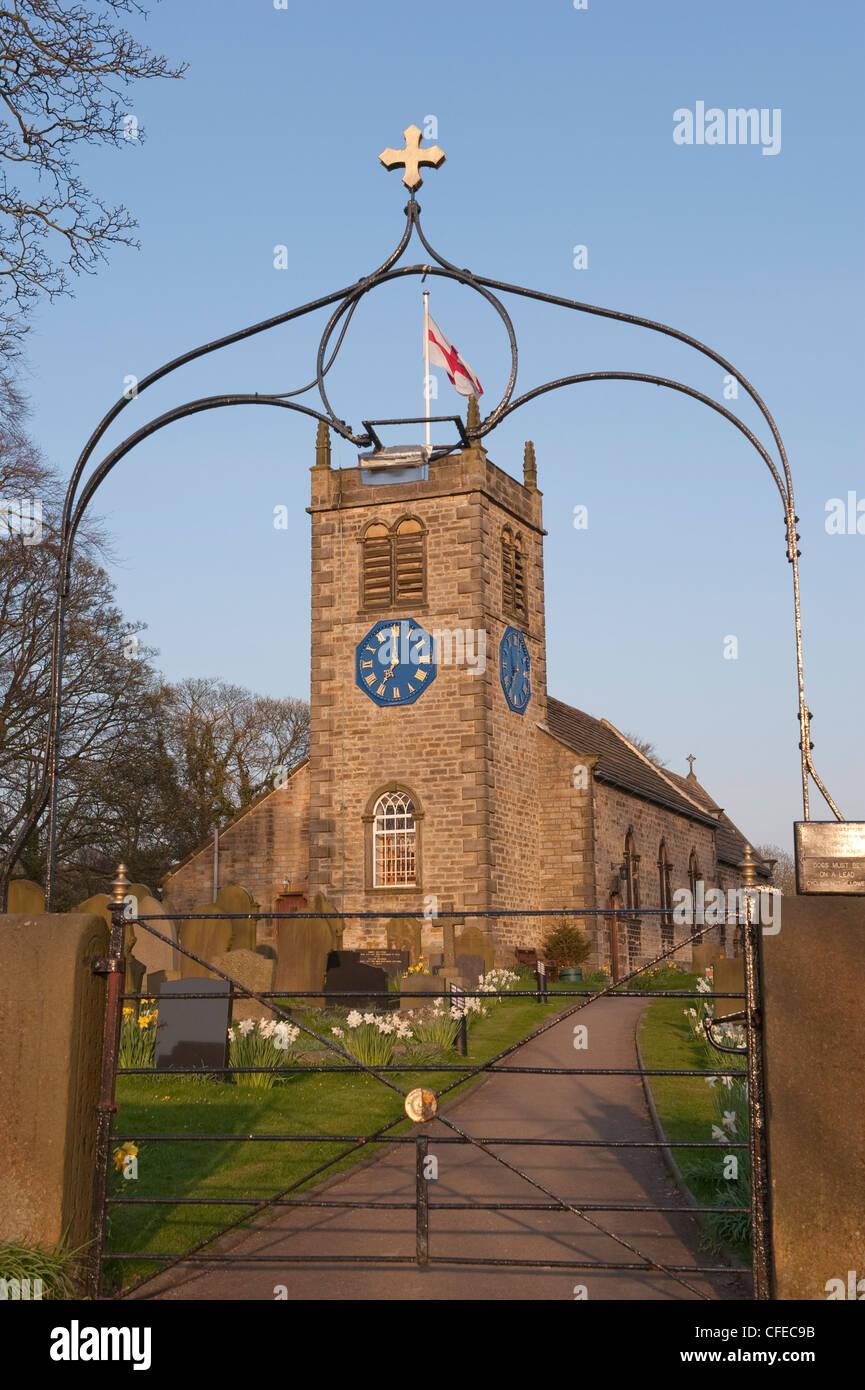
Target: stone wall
{"points": [[266, 845], [51, 1020], [813, 971], [616, 812]]}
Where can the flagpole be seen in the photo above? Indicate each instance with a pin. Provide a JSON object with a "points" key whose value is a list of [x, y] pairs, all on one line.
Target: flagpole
{"points": [[426, 361]]}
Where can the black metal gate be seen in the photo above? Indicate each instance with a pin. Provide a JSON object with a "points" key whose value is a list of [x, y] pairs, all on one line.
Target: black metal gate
{"points": [[421, 1105]]}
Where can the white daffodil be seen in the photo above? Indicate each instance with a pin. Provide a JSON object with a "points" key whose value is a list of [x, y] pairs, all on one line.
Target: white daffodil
{"points": [[718, 1133], [710, 1080], [231, 1035], [337, 1032], [246, 1025], [354, 1019], [730, 1120]]}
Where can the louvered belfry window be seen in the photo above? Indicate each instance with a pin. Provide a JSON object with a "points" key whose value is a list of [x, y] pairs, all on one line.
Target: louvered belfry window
{"points": [[394, 564], [408, 561], [513, 575], [376, 567]]}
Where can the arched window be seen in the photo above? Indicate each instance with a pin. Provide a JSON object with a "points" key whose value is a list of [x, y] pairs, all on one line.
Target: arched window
{"points": [[393, 564], [394, 835], [666, 897], [632, 872], [513, 575], [632, 894]]}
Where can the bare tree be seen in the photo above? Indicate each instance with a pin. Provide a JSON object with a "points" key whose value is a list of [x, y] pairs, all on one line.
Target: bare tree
{"points": [[784, 872], [227, 746], [647, 749], [64, 69]]}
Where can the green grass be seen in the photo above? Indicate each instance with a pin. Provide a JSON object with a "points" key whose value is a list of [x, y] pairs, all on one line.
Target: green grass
{"points": [[687, 1109], [59, 1269], [306, 1103]]}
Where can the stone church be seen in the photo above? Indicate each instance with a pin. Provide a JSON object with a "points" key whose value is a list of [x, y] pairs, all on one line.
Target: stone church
{"points": [[441, 774]]}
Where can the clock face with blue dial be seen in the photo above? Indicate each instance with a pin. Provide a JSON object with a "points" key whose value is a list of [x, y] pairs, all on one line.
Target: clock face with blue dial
{"points": [[395, 662], [515, 669]]}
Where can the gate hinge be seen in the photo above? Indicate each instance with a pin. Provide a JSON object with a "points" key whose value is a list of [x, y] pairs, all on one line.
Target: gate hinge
{"points": [[108, 965]]}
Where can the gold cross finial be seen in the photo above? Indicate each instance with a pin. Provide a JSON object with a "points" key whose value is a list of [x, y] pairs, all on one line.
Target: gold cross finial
{"points": [[412, 158], [690, 760]]}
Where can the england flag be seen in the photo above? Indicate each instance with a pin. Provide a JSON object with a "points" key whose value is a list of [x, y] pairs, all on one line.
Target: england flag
{"points": [[444, 354]]}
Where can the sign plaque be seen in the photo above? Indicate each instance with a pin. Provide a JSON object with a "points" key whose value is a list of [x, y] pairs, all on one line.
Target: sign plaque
{"points": [[830, 857]]}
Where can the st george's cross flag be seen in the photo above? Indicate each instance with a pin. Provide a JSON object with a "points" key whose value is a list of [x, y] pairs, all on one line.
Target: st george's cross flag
{"points": [[444, 354]]}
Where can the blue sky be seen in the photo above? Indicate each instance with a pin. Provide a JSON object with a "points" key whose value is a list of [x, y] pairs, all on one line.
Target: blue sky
{"points": [[558, 128]]}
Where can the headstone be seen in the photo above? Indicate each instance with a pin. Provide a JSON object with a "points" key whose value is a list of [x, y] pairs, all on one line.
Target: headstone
{"points": [[250, 969], [702, 957], [26, 896], [303, 945], [233, 898], [207, 937], [471, 967], [193, 1032], [396, 963], [728, 974], [269, 952], [433, 985], [98, 905], [472, 941], [345, 971], [155, 955], [404, 934]]}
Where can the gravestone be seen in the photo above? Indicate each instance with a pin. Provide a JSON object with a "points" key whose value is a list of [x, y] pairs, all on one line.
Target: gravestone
{"points": [[345, 971], [471, 967], [233, 898], [303, 945], [250, 969], [396, 963], [473, 941], [193, 1032], [729, 974], [97, 905], [207, 937], [433, 985], [702, 957], [269, 952], [26, 896], [156, 956], [404, 934]]}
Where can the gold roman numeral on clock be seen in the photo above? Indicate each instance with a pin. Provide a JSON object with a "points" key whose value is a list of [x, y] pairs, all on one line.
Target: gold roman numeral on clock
{"points": [[422, 675], [366, 664], [395, 691], [382, 688], [370, 680]]}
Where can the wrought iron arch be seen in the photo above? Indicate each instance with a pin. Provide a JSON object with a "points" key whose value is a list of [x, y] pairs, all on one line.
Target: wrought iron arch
{"points": [[346, 301]]}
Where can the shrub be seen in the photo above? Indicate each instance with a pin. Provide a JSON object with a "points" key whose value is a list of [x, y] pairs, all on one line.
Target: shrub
{"points": [[565, 945]]}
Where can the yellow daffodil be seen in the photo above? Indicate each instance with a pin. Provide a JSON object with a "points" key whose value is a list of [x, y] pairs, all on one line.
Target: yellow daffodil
{"points": [[127, 1150]]}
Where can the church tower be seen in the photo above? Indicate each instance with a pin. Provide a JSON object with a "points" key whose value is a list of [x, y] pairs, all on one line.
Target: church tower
{"points": [[428, 681]]}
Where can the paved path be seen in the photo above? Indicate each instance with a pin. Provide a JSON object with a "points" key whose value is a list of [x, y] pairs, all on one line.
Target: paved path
{"points": [[520, 1106]]}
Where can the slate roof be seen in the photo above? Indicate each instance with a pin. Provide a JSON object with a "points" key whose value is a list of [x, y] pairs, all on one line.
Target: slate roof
{"points": [[619, 765]]}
